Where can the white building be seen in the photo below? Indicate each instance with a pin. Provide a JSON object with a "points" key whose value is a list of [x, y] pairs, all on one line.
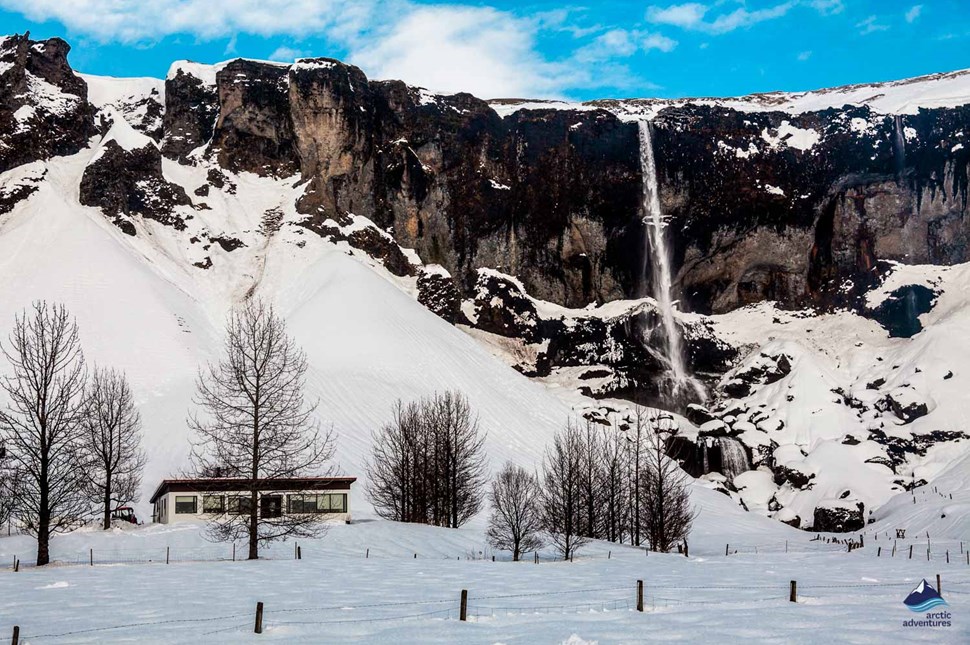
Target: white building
{"points": [[178, 500]]}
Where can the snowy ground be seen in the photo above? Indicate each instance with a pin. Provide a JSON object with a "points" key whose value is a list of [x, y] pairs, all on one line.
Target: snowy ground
{"points": [[336, 593]]}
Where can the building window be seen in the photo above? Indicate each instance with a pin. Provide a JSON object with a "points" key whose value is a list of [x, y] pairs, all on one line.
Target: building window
{"points": [[322, 503], [186, 505], [213, 504], [240, 505]]}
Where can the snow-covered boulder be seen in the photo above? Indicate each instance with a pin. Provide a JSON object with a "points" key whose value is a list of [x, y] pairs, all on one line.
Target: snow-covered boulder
{"points": [[842, 515], [438, 292]]}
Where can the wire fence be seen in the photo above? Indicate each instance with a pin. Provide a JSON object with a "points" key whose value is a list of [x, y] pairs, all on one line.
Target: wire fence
{"points": [[465, 607]]}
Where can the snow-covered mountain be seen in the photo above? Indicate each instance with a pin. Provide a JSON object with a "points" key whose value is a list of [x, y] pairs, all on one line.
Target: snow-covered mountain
{"points": [[419, 242]]}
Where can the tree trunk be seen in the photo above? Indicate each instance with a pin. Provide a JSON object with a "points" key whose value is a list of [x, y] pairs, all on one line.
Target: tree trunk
{"points": [[253, 528], [107, 503]]}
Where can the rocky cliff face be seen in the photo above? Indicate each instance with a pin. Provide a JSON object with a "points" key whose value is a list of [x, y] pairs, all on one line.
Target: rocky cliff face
{"points": [[43, 104]]}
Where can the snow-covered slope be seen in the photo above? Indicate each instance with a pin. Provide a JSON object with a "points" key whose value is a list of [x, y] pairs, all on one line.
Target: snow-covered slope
{"points": [[905, 96], [145, 310]]}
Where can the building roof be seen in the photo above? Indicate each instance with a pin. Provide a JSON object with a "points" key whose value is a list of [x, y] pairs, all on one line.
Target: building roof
{"points": [[226, 484]]}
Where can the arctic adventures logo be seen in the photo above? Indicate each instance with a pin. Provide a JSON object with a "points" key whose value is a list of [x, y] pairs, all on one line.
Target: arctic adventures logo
{"points": [[921, 600]]}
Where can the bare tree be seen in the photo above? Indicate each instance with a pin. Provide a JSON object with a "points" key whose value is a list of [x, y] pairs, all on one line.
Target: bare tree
{"points": [[8, 501], [41, 424], [667, 511], [561, 492], [459, 453], [516, 520], [428, 464], [590, 477], [636, 445], [394, 478], [612, 483], [111, 443], [256, 426]]}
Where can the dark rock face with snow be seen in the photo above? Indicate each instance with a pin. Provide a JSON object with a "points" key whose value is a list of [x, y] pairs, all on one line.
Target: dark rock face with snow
{"points": [[130, 182], [43, 103], [840, 516]]}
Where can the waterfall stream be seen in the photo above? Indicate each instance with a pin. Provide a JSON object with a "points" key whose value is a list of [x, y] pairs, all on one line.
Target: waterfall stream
{"points": [[734, 460], [655, 246], [899, 147]]}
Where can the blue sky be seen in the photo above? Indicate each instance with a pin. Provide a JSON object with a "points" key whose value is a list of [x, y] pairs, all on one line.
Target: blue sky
{"points": [[537, 49]]}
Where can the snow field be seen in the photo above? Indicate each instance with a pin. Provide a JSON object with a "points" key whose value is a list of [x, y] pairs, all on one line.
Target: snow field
{"points": [[335, 594]]}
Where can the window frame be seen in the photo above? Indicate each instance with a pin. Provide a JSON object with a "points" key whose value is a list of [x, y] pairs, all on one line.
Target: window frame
{"points": [[195, 504], [241, 500], [222, 503]]}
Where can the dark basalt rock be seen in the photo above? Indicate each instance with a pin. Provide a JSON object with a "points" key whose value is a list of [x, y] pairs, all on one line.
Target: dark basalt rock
{"points": [[795, 477], [370, 240], [502, 308], [440, 295], [836, 519], [191, 107], [33, 71], [899, 313], [227, 243], [123, 183], [254, 128], [698, 414]]}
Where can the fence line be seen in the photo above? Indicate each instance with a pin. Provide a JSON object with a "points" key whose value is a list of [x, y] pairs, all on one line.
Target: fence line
{"points": [[662, 593]]}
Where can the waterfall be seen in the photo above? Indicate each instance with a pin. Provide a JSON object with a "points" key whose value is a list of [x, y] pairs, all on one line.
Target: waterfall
{"points": [[734, 460], [899, 147], [655, 246]]}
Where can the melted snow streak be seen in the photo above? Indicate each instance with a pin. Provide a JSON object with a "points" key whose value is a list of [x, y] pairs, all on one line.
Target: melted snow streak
{"points": [[655, 245]]}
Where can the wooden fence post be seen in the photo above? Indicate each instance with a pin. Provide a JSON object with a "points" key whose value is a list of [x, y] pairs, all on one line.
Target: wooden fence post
{"points": [[91, 553], [299, 553], [16, 566], [793, 593], [259, 618], [233, 551], [939, 585], [166, 555], [879, 552], [726, 546], [639, 595], [16, 635], [463, 611], [367, 554], [910, 551]]}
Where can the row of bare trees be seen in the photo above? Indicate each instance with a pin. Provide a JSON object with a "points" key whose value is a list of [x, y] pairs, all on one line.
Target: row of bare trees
{"points": [[69, 436], [428, 464], [596, 483]]}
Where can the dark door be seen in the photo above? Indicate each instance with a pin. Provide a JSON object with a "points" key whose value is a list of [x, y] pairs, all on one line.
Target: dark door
{"points": [[271, 506]]}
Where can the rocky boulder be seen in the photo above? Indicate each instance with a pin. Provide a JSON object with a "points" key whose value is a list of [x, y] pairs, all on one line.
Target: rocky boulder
{"points": [[843, 515]]}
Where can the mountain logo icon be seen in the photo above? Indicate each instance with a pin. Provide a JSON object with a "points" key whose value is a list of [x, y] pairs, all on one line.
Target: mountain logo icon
{"points": [[923, 598]]}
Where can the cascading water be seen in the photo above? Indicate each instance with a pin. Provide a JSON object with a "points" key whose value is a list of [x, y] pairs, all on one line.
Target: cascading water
{"points": [[899, 147], [655, 246], [734, 459]]}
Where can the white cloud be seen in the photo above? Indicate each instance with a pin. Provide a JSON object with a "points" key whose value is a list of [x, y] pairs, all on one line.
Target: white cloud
{"points": [[827, 7], [447, 48], [692, 16], [805, 55], [914, 13], [286, 54], [870, 26], [481, 50], [620, 43], [129, 21], [659, 42], [687, 16]]}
